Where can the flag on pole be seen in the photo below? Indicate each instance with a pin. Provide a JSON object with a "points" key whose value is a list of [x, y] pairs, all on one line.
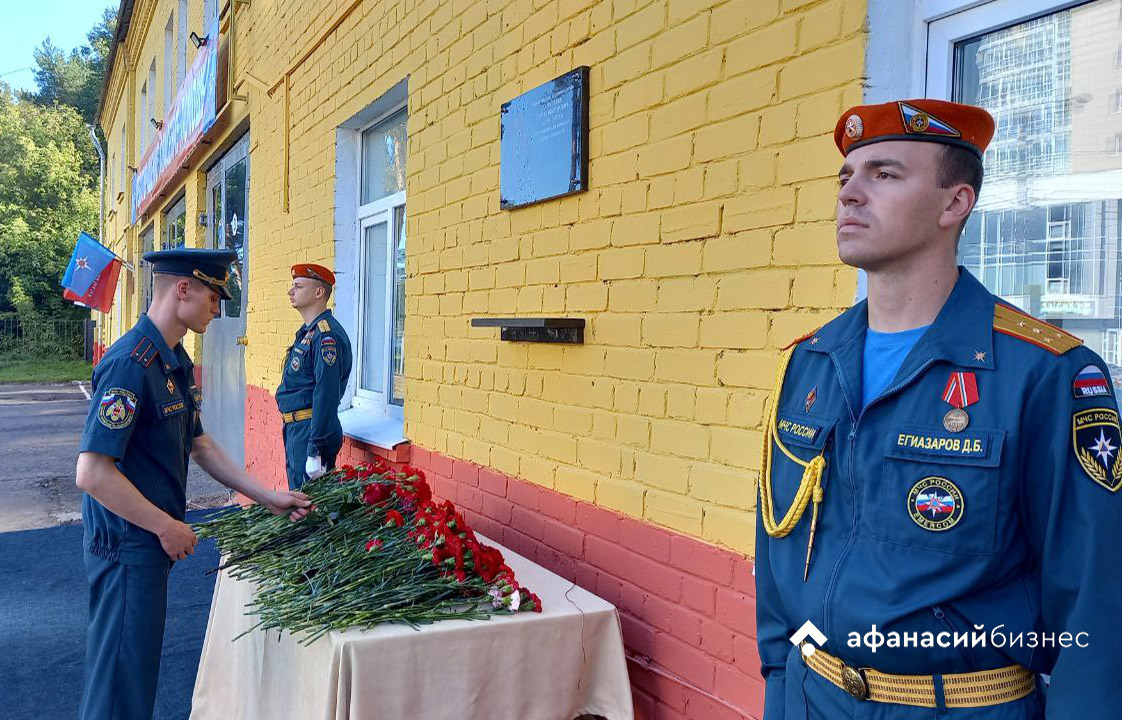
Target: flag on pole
{"points": [[100, 295], [89, 260], [91, 276]]}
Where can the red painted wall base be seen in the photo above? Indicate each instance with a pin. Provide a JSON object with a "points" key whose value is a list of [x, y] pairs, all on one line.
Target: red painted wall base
{"points": [[687, 609]]}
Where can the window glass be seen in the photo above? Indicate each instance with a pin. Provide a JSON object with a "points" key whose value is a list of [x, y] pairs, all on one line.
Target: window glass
{"points": [[175, 227], [146, 241], [373, 314], [383, 159], [1046, 231], [397, 349], [235, 221]]}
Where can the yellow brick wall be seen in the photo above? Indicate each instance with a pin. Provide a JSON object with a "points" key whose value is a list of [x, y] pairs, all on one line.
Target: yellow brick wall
{"points": [[704, 244]]}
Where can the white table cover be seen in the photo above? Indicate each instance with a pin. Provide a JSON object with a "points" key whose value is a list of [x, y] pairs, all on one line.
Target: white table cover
{"points": [[555, 665]]}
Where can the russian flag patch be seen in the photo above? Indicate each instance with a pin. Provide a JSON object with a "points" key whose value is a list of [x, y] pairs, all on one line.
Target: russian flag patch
{"points": [[918, 122], [1090, 382]]}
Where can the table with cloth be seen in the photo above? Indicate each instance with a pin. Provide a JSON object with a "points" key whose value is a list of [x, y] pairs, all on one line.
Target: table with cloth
{"points": [[555, 665]]}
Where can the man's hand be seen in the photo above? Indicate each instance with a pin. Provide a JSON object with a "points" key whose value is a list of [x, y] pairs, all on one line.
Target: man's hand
{"points": [[177, 539], [296, 504], [314, 467]]}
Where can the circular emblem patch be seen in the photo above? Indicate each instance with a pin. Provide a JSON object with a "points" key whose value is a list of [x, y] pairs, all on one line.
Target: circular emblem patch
{"points": [[935, 503], [117, 408], [920, 122], [295, 364], [854, 127]]}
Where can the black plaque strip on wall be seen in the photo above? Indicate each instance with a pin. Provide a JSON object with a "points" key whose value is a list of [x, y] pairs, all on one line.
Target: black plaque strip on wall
{"points": [[553, 330]]}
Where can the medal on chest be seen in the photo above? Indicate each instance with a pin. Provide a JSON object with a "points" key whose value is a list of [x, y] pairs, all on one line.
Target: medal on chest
{"points": [[961, 392]]}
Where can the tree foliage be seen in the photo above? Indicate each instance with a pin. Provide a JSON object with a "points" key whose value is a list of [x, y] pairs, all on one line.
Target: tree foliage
{"points": [[46, 199], [49, 173]]}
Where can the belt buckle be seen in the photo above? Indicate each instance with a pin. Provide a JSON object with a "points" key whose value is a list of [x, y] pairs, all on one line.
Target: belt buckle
{"points": [[853, 680]]}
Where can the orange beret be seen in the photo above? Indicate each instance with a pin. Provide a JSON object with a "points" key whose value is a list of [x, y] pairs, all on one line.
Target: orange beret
{"points": [[950, 123], [315, 272]]}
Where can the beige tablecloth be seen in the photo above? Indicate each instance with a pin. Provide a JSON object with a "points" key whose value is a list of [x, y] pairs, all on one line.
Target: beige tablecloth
{"points": [[554, 665]]}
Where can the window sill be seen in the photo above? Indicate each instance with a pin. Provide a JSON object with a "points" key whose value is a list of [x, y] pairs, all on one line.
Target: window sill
{"points": [[373, 428]]}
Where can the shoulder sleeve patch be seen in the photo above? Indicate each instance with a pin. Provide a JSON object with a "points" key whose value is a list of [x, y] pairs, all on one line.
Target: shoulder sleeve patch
{"points": [[1096, 437], [1090, 382], [323, 326], [117, 408], [1014, 323]]}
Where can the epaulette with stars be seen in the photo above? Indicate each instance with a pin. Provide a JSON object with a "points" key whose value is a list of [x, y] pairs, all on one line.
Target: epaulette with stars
{"points": [[809, 335], [1014, 323], [145, 352]]}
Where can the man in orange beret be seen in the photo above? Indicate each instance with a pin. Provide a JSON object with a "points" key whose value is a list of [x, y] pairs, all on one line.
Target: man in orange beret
{"points": [[959, 460], [316, 369]]}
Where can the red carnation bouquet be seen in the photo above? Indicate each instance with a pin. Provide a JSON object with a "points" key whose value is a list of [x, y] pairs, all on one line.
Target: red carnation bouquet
{"points": [[377, 549]]}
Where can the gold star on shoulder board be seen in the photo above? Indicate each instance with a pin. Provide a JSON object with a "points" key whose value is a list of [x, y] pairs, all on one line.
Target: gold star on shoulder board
{"points": [[979, 356]]}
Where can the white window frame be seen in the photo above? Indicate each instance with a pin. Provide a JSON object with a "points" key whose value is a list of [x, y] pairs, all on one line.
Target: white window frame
{"points": [[1112, 346], [365, 417], [367, 215], [949, 21]]}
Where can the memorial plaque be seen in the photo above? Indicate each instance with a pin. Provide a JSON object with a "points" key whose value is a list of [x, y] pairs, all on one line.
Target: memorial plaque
{"points": [[544, 142]]}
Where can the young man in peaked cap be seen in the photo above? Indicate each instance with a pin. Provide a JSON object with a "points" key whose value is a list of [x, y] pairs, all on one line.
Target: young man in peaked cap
{"points": [[939, 493], [143, 426]]}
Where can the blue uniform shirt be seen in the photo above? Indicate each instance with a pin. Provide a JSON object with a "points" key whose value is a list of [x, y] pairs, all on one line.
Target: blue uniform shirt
{"points": [[884, 354], [145, 414], [316, 369], [1024, 536]]}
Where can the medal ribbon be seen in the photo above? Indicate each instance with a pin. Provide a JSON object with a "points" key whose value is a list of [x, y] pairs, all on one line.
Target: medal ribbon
{"points": [[961, 390]]}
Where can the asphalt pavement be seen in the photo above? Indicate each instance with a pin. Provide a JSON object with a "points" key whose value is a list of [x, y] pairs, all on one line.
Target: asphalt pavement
{"points": [[40, 430]]}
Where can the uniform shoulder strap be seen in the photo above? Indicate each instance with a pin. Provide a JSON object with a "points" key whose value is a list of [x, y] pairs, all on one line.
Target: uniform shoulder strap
{"points": [[809, 335], [324, 326], [144, 352], [1015, 323]]}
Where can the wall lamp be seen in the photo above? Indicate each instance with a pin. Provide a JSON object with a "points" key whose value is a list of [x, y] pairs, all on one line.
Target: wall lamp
{"points": [[197, 41]]}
